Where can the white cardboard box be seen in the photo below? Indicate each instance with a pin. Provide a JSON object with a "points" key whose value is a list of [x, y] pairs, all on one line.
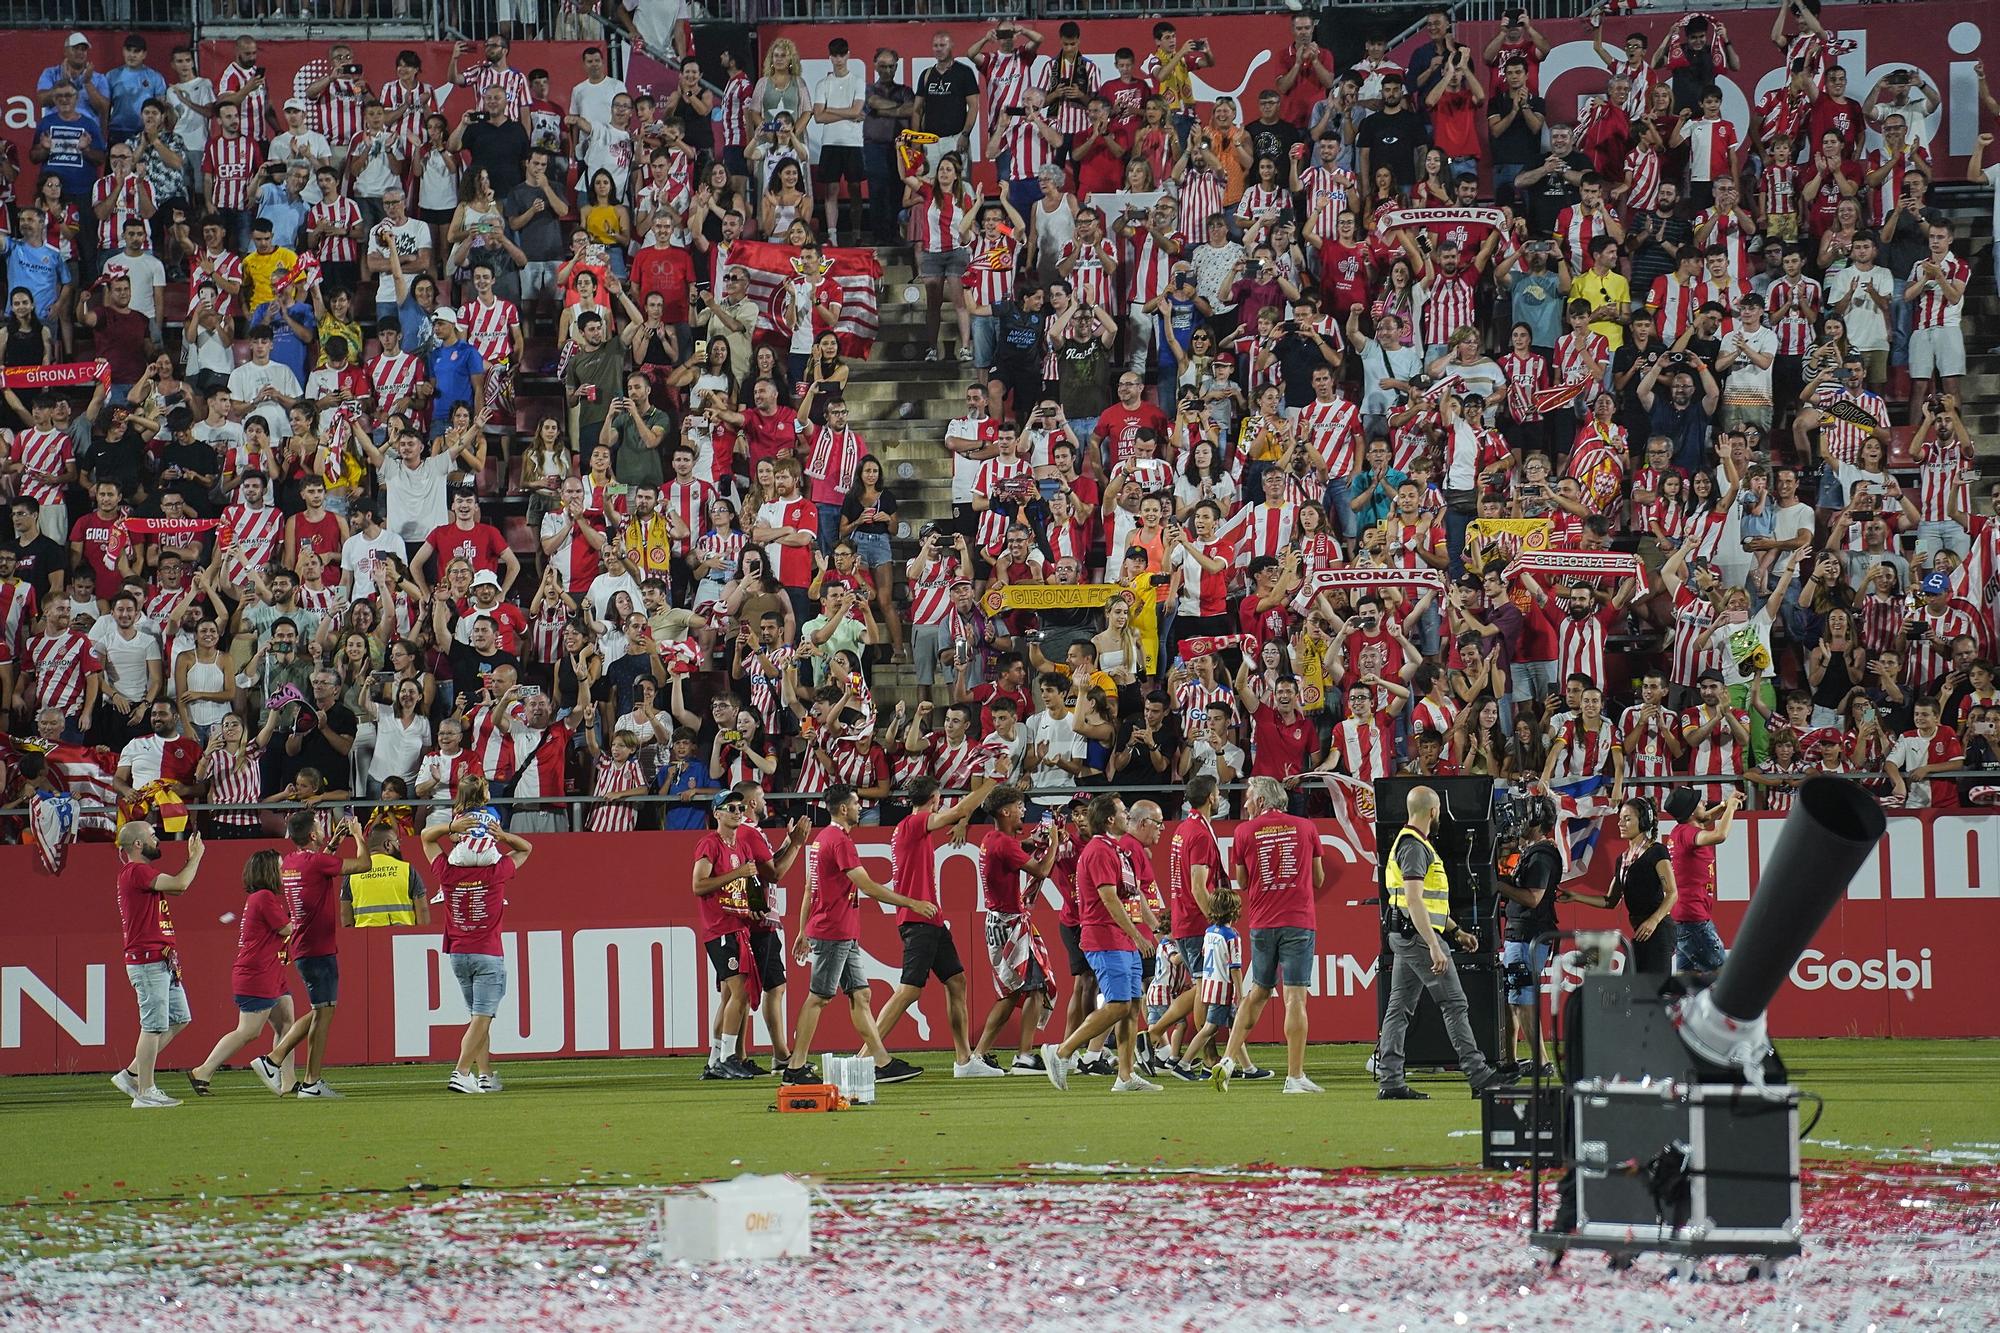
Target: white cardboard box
{"points": [[750, 1217]]}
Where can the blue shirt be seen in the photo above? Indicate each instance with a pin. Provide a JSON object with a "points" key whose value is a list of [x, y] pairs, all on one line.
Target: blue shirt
{"points": [[419, 337], [287, 348], [452, 369], [1380, 503], [286, 213], [56, 74], [39, 268], [129, 90], [684, 816], [1538, 303], [67, 141]]}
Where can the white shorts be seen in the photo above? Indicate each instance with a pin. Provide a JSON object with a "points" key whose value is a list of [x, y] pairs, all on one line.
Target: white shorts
{"points": [[1937, 353]]}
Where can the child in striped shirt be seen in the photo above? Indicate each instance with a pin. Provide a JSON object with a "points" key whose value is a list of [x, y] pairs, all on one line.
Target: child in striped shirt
{"points": [[1221, 972]]}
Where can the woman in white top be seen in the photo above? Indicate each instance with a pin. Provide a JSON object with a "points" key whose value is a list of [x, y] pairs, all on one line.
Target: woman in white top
{"points": [[437, 173], [402, 734], [1054, 218], [204, 682], [1745, 643], [1120, 654]]}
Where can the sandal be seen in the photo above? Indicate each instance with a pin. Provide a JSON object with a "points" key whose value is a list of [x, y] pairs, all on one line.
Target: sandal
{"points": [[200, 1085]]}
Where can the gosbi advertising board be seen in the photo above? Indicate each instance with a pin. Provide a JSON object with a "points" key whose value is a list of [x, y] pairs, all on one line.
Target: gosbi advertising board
{"points": [[603, 945]]}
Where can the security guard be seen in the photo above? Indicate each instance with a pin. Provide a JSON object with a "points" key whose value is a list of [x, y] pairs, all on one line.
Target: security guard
{"points": [[389, 892], [1419, 899]]}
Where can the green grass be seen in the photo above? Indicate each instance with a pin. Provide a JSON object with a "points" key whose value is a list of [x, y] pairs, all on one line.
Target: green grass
{"points": [[651, 1121]]}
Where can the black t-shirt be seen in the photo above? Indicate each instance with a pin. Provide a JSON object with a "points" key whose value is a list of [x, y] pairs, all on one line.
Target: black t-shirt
{"points": [[1392, 139], [1517, 145], [36, 559], [885, 505], [1641, 882], [500, 149], [1540, 868], [1018, 339], [468, 668], [1650, 258], [1299, 356], [945, 93], [121, 460], [1274, 141], [318, 753], [1707, 349], [1551, 195]]}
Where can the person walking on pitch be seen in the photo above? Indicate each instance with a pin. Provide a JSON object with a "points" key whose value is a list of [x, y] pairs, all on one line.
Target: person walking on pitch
{"points": [[257, 978], [1107, 893], [310, 876], [475, 901], [1278, 872], [151, 964]]}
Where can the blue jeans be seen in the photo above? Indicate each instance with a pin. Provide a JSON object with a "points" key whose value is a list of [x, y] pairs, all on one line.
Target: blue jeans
{"points": [[1338, 492], [1943, 535], [1532, 680], [482, 980], [1455, 524], [1532, 954], [1503, 180], [1697, 948], [829, 527], [1901, 317], [985, 329]]}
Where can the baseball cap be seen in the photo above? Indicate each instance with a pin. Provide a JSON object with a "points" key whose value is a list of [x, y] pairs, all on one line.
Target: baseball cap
{"points": [[726, 796], [76, 39], [297, 104], [1710, 674], [1935, 582], [486, 578], [446, 314]]}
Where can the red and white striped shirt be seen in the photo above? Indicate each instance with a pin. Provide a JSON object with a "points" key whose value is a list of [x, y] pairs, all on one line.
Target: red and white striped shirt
{"points": [[45, 451], [1778, 189], [130, 199], [1576, 229], [1150, 260], [1262, 529], [1333, 428], [1030, 149], [1710, 143], [1719, 753], [1327, 191], [338, 214], [230, 162], [1004, 79], [60, 663], [1795, 331], [1579, 640], [1584, 750], [616, 775], [1197, 700], [1841, 440], [1525, 374], [234, 779], [256, 538], [1575, 354], [990, 272], [1692, 653], [489, 328], [952, 765], [1651, 759], [1932, 310], [510, 81], [1069, 117], [1926, 659], [1091, 275], [1448, 304], [736, 111], [336, 112], [224, 264], [1941, 482], [1642, 176], [255, 106], [407, 108], [688, 501], [938, 216], [1364, 750], [1882, 197], [18, 608], [1673, 302], [1432, 715], [1727, 229], [930, 591], [394, 377], [1255, 200]]}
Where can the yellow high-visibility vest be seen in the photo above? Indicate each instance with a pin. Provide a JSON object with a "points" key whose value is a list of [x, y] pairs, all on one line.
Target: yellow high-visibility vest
{"points": [[1437, 889], [380, 895]]}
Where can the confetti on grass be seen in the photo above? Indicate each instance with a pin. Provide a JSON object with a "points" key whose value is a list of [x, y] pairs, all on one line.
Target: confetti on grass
{"points": [[1901, 1246]]}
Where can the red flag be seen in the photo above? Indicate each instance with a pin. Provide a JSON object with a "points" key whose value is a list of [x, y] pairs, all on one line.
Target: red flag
{"points": [[856, 272], [1561, 395]]}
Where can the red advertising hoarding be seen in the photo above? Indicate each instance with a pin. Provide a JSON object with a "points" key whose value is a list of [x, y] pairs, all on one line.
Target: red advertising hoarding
{"points": [[602, 940]]}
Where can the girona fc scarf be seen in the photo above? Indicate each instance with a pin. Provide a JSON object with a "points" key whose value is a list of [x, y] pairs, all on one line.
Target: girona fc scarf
{"points": [[68, 375], [1594, 565], [836, 457], [1441, 217], [1357, 579], [122, 530], [1204, 645]]}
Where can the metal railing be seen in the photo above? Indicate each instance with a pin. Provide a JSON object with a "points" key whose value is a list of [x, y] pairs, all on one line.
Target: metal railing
{"points": [[113, 16]]}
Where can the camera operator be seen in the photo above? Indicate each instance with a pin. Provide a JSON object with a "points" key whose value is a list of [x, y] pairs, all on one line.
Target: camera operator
{"points": [[1530, 892]]}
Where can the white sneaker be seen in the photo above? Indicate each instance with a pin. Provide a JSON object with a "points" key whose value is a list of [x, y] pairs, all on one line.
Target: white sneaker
{"points": [[152, 1098], [1058, 1068], [1302, 1084], [267, 1072], [976, 1068], [125, 1083], [320, 1089], [490, 1083], [460, 1081], [1135, 1084]]}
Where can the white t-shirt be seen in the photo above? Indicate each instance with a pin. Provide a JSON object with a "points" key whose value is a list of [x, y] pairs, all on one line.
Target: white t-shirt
{"points": [[414, 235], [355, 553], [606, 586], [1062, 741], [592, 101], [1791, 520], [250, 379], [1749, 382], [417, 502], [399, 749], [307, 146], [191, 126], [1723, 633], [964, 470], [143, 755], [146, 273], [837, 94], [125, 659], [206, 349], [378, 170], [1867, 328]]}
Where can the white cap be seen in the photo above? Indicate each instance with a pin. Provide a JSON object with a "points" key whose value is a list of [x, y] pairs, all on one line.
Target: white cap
{"points": [[447, 314], [297, 104], [76, 39], [486, 578]]}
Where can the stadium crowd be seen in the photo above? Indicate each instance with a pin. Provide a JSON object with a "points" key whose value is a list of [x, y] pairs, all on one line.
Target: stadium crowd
{"points": [[428, 444]]}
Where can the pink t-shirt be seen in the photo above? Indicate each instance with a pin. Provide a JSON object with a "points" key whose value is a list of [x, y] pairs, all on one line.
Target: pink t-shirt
{"points": [[835, 913]]}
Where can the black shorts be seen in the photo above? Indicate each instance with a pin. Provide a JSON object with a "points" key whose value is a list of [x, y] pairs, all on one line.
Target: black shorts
{"points": [[321, 973], [1072, 938], [928, 951], [767, 951], [840, 162]]}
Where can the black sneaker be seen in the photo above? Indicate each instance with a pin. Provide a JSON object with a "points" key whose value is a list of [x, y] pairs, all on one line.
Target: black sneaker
{"points": [[719, 1073], [802, 1074], [1405, 1093], [1253, 1074], [1102, 1065], [1028, 1064], [756, 1070], [992, 1063], [896, 1071], [740, 1067], [1499, 1078], [1186, 1072]]}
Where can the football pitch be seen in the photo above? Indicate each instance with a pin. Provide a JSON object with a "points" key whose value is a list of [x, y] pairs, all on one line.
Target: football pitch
{"points": [[1242, 1208]]}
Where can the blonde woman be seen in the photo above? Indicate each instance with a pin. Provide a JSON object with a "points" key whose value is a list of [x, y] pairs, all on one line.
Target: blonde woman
{"points": [[1121, 653], [782, 88]]}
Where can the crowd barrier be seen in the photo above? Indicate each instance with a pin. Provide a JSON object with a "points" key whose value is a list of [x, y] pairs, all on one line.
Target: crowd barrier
{"points": [[605, 958]]}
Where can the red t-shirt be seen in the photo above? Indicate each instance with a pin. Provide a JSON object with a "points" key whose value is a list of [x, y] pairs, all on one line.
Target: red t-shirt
{"points": [[96, 536], [1118, 426], [1001, 860], [481, 544], [475, 897], [1275, 853], [1694, 874], [1344, 271], [754, 846], [510, 622], [1098, 169], [769, 436], [794, 563], [179, 758], [260, 949], [835, 913], [1379, 653], [142, 914], [1193, 846], [1101, 863], [912, 867], [1280, 748], [1064, 875], [725, 911], [1455, 124], [311, 883], [1147, 879], [321, 536], [668, 270], [984, 695]]}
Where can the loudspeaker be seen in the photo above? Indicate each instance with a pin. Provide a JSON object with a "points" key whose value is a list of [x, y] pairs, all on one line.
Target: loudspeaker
{"points": [[1463, 838], [1426, 1046]]}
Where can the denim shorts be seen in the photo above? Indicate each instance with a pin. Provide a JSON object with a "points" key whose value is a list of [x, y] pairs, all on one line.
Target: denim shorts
{"points": [[1532, 954], [322, 977], [482, 980], [1221, 1017], [1281, 952], [1119, 972], [1189, 947], [836, 968], [162, 1002], [256, 1004], [872, 548]]}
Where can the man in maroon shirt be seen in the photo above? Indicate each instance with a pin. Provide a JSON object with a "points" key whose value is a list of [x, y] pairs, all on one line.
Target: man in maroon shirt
{"points": [[1010, 865], [480, 544], [928, 949], [1194, 874], [150, 964], [1117, 432], [124, 337], [1113, 942], [310, 878], [1286, 741], [1278, 869], [475, 899]]}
